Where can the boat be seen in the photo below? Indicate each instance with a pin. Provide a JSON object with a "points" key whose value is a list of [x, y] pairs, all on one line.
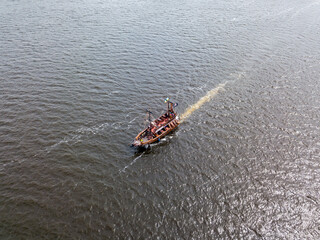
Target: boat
{"points": [[158, 128]]}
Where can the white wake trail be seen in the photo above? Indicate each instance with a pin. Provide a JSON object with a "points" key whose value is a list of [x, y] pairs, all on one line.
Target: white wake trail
{"points": [[201, 101], [133, 161]]}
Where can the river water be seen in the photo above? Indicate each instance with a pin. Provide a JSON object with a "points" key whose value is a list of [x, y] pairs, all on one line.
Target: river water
{"points": [[75, 80]]}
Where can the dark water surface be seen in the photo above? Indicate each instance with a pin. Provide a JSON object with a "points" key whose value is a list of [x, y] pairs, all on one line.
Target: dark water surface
{"points": [[75, 80]]}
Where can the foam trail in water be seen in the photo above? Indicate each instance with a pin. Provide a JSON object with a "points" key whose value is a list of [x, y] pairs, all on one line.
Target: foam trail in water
{"points": [[133, 161], [201, 101]]}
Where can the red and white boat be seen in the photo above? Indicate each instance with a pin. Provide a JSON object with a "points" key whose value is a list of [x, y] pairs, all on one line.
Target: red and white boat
{"points": [[158, 128]]}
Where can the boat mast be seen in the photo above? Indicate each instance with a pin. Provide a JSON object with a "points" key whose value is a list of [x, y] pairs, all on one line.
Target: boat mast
{"points": [[167, 101], [170, 105]]}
